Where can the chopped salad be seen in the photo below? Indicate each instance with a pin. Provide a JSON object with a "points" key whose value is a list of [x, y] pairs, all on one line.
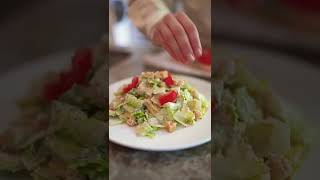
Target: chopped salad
{"points": [[256, 136], [53, 137], [157, 100]]}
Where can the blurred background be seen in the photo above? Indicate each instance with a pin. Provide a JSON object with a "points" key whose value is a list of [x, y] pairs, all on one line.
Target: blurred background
{"points": [[33, 29], [279, 41], [289, 26], [129, 48]]}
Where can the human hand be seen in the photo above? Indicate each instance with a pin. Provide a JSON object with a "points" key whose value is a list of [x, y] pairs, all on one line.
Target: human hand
{"points": [[178, 35]]}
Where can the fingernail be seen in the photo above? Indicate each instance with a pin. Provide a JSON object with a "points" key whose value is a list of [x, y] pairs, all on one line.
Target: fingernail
{"points": [[190, 57], [198, 52]]}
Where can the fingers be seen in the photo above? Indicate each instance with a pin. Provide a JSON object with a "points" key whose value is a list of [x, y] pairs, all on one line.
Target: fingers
{"points": [[180, 37], [170, 42], [191, 31], [160, 40]]}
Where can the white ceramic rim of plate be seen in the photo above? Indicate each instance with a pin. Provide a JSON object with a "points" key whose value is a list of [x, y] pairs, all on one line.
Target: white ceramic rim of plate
{"points": [[163, 149]]}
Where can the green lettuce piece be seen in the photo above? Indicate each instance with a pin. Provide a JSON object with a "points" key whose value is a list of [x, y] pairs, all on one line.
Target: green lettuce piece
{"points": [[155, 83], [184, 116], [92, 164], [170, 109], [133, 102], [269, 136], [228, 104], [33, 156], [119, 111], [186, 95], [72, 121], [217, 90], [113, 122], [140, 116], [195, 105], [145, 129], [78, 96], [246, 106], [44, 173], [263, 94], [10, 163], [64, 147], [128, 108], [239, 162], [204, 103]]}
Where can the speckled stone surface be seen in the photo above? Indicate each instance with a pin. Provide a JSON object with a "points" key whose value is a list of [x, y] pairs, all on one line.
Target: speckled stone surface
{"points": [[192, 164]]}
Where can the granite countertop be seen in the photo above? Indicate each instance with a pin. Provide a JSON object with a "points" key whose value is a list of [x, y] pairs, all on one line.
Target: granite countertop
{"points": [[125, 163]]}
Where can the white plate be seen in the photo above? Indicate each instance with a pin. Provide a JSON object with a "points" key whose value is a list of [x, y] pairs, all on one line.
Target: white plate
{"points": [[182, 138]]}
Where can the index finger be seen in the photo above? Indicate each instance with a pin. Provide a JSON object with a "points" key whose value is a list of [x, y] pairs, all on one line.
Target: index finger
{"points": [[192, 32]]}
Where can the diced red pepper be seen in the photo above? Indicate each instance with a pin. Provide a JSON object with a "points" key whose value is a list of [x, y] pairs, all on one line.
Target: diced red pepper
{"points": [[52, 91], [134, 83], [169, 81], [206, 56], [81, 64], [66, 80], [169, 97]]}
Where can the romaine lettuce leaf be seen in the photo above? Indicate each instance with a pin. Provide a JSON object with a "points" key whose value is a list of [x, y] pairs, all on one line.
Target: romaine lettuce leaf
{"points": [[184, 116], [133, 102], [269, 136], [145, 129], [141, 116], [12, 163], [246, 106], [239, 162], [75, 123]]}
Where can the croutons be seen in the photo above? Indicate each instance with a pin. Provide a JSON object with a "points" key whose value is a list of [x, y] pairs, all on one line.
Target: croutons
{"points": [[161, 74], [149, 75], [152, 108], [131, 121], [180, 83], [143, 89], [157, 74], [198, 115], [170, 126]]}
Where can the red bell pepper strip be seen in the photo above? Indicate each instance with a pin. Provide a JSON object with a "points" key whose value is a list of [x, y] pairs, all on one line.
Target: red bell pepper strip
{"points": [[206, 56], [169, 81], [169, 97], [134, 83]]}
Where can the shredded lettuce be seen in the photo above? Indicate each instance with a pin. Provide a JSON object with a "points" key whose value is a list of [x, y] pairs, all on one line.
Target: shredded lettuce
{"points": [[246, 106], [133, 102], [140, 116], [10, 163], [145, 129], [204, 103], [195, 105], [92, 164], [185, 116], [239, 162], [269, 136], [186, 95], [84, 130]]}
